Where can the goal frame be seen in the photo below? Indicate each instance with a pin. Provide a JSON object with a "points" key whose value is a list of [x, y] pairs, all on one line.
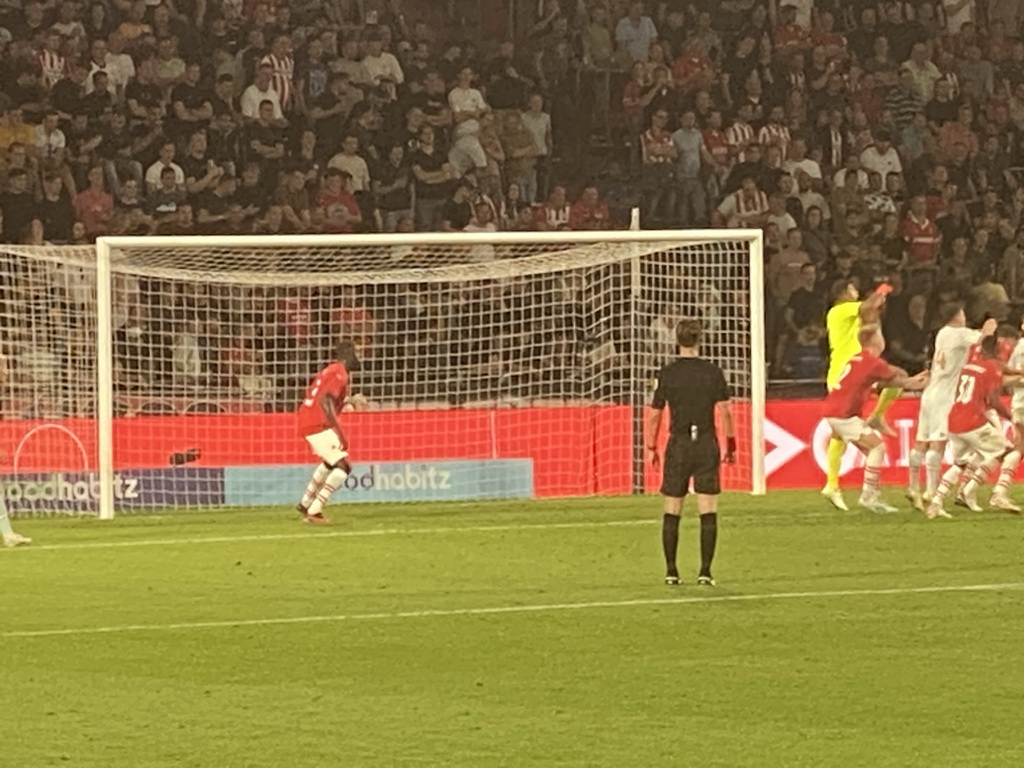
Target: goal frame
{"points": [[106, 246]]}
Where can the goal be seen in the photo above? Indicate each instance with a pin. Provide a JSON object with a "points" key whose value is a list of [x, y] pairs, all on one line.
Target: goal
{"points": [[155, 374]]}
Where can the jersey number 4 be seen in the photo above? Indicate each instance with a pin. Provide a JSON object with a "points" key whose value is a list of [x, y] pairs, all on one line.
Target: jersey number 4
{"points": [[843, 375], [308, 402], [965, 389]]}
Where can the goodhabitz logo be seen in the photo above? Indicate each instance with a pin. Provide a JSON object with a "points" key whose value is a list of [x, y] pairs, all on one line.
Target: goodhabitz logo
{"points": [[79, 492], [62, 490], [405, 477], [399, 481]]}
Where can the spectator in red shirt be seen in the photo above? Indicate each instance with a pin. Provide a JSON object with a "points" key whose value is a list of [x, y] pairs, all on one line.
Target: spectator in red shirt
{"points": [[790, 35], [352, 320], [659, 156], [336, 209], [94, 206], [553, 214], [922, 236], [718, 148], [693, 71], [826, 37], [589, 212]]}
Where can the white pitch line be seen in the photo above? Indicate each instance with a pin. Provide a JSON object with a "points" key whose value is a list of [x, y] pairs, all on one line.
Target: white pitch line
{"points": [[321, 534], [506, 609]]}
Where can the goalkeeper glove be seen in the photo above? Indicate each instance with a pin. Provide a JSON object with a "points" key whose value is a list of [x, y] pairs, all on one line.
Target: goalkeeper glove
{"points": [[730, 450]]}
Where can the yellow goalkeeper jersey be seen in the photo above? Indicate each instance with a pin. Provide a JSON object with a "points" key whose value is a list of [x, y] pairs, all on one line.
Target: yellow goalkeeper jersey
{"points": [[843, 324]]}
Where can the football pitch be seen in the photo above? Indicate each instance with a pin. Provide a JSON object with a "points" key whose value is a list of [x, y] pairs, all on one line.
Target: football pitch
{"points": [[514, 634]]}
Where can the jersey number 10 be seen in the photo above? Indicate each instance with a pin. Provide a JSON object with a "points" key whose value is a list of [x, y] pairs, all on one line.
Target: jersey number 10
{"points": [[965, 389]]}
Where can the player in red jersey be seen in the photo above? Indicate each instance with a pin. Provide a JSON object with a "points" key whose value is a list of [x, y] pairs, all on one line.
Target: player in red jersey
{"points": [[977, 438], [967, 494], [318, 424], [844, 407]]}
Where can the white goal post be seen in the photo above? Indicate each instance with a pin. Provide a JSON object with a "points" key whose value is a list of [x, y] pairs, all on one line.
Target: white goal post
{"points": [[496, 365]]}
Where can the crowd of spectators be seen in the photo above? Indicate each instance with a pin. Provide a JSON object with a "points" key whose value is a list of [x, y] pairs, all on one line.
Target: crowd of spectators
{"points": [[868, 139]]}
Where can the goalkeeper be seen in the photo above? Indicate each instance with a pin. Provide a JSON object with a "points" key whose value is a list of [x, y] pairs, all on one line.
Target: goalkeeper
{"points": [[844, 322], [10, 538]]}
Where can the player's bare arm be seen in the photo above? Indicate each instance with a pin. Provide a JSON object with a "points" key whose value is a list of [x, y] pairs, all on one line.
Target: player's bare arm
{"points": [[1012, 378], [725, 414], [996, 404], [331, 406], [651, 441], [871, 307], [901, 379]]}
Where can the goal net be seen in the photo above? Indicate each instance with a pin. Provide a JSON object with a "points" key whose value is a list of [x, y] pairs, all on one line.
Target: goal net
{"points": [[163, 373]]}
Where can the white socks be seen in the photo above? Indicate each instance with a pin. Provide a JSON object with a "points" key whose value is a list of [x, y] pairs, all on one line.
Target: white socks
{"points": [[916, 462], [334, 480], [1009, 468], [319, 475], [978, 477], [873, 471], [5, 521], [949, 479], [932, 470]]}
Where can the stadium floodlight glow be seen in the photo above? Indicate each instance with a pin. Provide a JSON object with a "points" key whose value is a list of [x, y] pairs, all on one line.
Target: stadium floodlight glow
{"points": [[179, 356]]}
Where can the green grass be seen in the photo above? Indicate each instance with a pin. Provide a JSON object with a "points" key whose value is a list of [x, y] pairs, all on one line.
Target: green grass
{"points": [[900, 679]]}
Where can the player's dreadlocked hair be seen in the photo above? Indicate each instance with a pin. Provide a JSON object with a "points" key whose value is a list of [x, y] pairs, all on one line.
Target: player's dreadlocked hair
{"points": [[345, 353]]}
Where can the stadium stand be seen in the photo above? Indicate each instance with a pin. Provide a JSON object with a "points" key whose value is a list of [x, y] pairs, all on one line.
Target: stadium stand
{"points": [[878, 140]]}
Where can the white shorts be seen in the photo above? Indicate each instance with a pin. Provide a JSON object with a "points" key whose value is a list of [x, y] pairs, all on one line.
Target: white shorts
{"points": [[850, 430], [933, 419], [988, 441], [1018, 415], [327, 445]]}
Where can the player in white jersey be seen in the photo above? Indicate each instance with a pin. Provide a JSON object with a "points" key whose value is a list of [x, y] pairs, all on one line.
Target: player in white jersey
{"points": [[953, 343], [1017, 403], [7, 534]]}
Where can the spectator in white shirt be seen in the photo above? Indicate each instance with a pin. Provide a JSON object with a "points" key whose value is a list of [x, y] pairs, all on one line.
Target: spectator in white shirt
{"points": [[50, 139], [635, 32], [881, 157], [958, 13], [799, 162], [778, 215], [349, 161], [165, 160], [261, 90], [382, 67], [98, 63], [120, 65], [467, 105], [925, 73]]}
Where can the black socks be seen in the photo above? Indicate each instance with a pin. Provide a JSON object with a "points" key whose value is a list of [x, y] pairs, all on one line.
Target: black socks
{"points": [[670, 542], [708, 539]]}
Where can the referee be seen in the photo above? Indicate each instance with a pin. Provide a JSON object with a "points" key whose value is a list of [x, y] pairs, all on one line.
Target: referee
{"points": [[692, 388]]}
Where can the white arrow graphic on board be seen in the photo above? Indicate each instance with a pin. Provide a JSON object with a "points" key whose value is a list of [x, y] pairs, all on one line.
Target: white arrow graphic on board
{"points": [[786, 447]]}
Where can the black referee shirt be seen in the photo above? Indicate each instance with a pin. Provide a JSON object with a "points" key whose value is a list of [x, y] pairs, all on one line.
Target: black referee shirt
{"points": [[691, 387]]}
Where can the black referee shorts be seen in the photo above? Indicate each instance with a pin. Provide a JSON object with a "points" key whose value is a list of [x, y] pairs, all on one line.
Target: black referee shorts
{"points": [[698, 459]]}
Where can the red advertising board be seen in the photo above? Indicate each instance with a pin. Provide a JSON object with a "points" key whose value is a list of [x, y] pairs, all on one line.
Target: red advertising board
{"points": [[575, 451]]}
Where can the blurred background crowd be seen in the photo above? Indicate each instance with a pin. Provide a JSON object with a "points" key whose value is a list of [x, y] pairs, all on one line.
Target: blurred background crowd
{"points": [[870, 140]]}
